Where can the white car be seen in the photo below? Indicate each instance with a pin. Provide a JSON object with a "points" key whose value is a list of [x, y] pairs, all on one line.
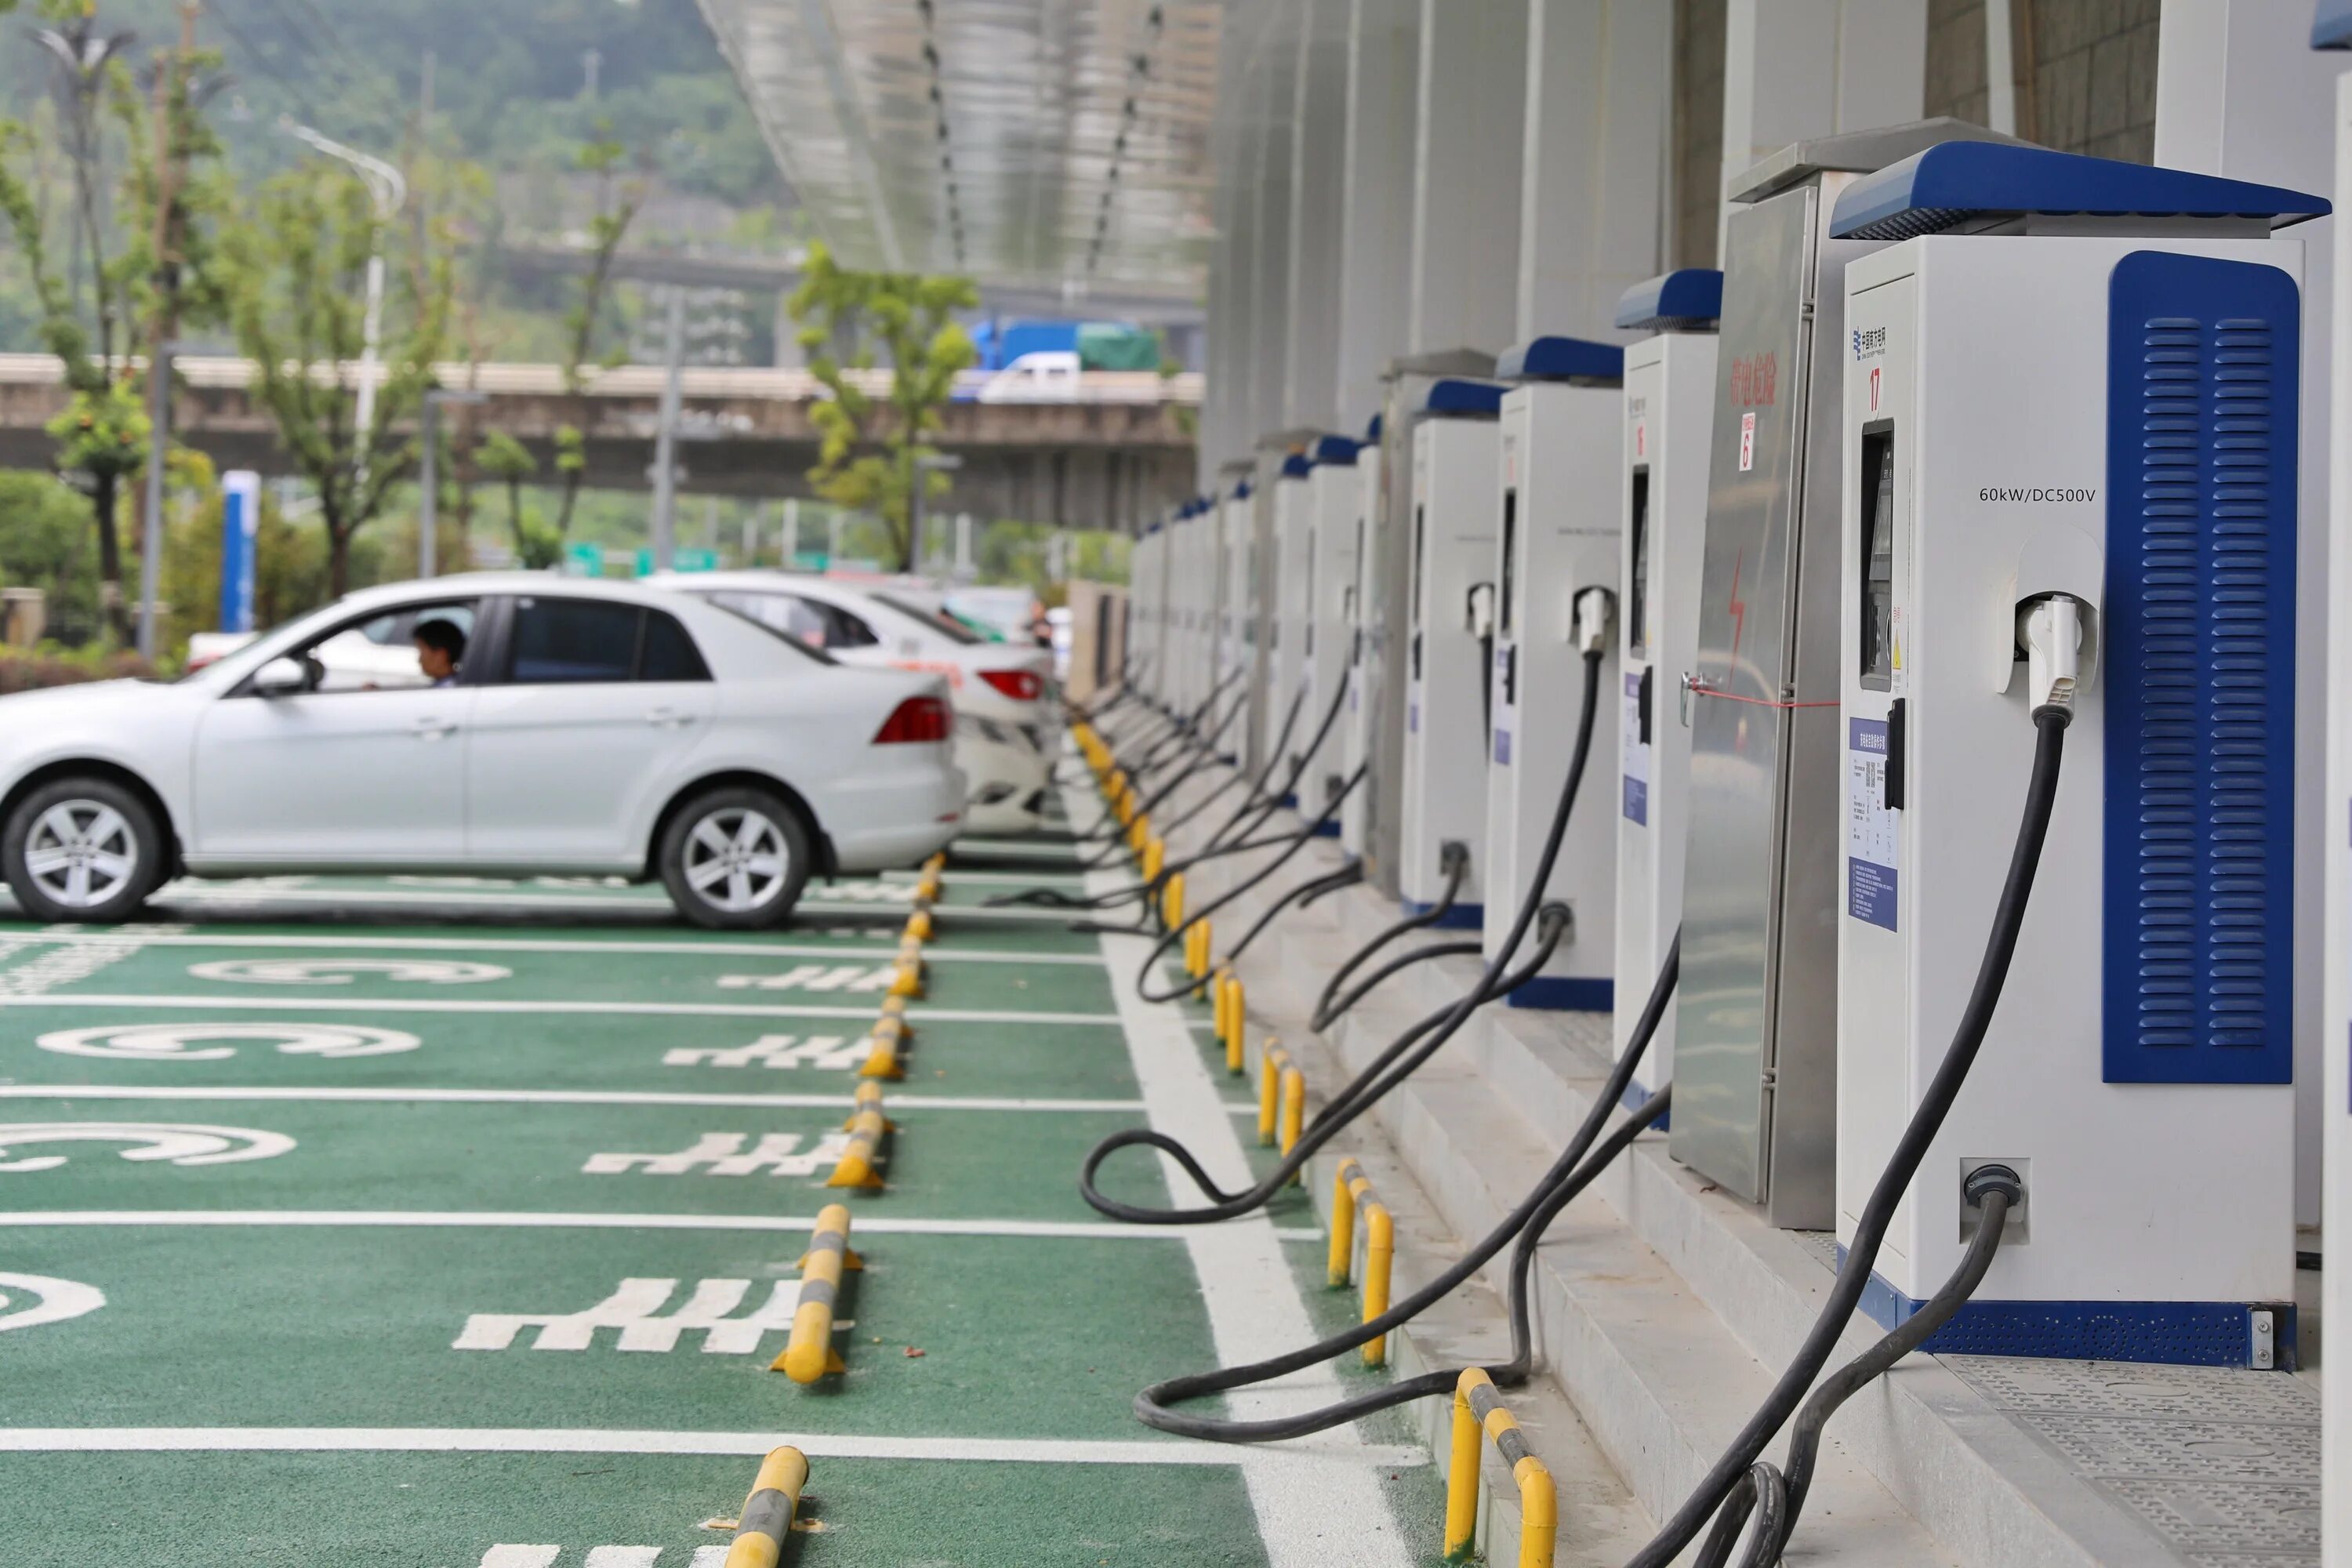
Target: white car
{"points": [[588, 728], [1001, 690], [1047, 375]]}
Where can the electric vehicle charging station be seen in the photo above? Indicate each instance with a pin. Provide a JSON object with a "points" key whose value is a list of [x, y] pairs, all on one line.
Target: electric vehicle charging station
{"points": [[2071, 398], [1756, 1011], [1359, 722], [1178, 684], [1327, 601], [1235, 622], [1669, 408], [1286, 593], [1457, 447], [1552, 585], [1147, 603]]}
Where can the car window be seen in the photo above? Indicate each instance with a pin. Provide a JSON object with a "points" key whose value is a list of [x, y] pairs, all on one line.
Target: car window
{"points": [[381, 653], [570, 641], [845, 629], [670, 653], [776, 614], [945, 624]]}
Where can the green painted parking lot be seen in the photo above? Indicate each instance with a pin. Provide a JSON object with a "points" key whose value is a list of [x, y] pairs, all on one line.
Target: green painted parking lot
{"points": [[445, 1222]]}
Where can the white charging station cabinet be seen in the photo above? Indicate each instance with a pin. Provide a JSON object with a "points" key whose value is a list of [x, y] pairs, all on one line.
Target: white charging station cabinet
{"points": [[1554, 576], [1189, 659], [1236, 622], [1286, 625], [1668, 423], [2332, 29], [1456, 445], [1357, 718], [2074, 378], [1328, 590]]}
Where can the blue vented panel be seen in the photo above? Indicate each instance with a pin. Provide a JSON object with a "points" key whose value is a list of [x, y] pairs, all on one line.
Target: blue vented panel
{"points": [[2198, 669]]}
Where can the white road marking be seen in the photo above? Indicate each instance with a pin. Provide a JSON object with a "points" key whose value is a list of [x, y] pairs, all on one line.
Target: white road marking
{"points": [[496, 1005], [1253, 1306], [69, 962], [1305, 1466], [29, 1301], [558, 1097], [657, 907], [562, 945], [634, 1308], [173, 1042], [725, 1154], [177, 1143], [492, 1219], [343, 970]]}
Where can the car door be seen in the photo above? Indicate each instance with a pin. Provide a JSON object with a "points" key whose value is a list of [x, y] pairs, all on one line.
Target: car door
{"points": [[585, 723], [348, 772]]}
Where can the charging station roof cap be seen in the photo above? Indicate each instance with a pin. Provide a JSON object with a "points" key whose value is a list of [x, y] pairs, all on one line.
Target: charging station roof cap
{"points": [[1687, 299], [1958, 181], [1336, 450], [1297, 466], [1372, 431], [1454, 398], [1242, 491], [1561, 358], [2331, 25]]}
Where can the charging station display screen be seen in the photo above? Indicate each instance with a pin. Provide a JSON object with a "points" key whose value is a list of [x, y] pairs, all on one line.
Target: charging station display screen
{"points": [[1877, 492], [1637, 590], [1510, 561]]}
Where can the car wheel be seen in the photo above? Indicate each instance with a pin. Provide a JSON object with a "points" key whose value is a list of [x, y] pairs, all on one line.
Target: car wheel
{"points": [[82, 849], [735, 860]]}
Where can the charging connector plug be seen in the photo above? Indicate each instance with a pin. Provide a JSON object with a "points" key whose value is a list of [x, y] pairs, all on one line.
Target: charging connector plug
{"points": [[2050, 628], [1595, 607]]}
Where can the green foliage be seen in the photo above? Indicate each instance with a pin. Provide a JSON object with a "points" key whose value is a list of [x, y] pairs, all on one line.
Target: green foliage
{"points": [[869, 448], [538, 543], [53, 664], [44, 543], [296, 268]]}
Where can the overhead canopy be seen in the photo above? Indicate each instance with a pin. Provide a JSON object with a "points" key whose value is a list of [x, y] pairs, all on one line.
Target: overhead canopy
{"points": [[1053, 144]]}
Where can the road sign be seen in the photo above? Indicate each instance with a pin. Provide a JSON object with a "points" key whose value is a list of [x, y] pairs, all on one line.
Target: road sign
{"points": [[583, 560], [680, 560]]}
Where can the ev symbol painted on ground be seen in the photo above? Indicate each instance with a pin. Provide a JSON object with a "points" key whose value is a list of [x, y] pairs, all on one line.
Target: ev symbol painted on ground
{"points": [[29, 1301], [218, 1042], [636, 1310], [343, 970], [177, 1143], [830, 1053], [725, 1154], [816, 977]]}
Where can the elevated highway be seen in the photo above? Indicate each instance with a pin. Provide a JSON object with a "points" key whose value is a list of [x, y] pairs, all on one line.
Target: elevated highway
{"points": [[1118, 451]]}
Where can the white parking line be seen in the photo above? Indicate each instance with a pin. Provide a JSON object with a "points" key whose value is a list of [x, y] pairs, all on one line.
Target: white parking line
{"points": [[550, 1097], [498, 1219], [1306, 1465], [1253, 1302], [180, 894], [933, 954], [313, 1004]]}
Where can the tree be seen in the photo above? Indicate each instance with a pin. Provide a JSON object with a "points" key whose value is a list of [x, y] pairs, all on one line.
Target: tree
{"points": [[507, 460], [870, 449], [617, 204], [297, 262]]}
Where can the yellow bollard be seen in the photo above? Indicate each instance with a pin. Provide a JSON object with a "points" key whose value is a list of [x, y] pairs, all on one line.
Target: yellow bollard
{"points": [[866, 1124], [907, 980], [1294, 1112], [1349, 1185], [1171, 900], [1219, 998], [1478, 1407], [1236, 1025], [889, 1041], [767, 1517], [894, 1006], [919, 926], [1379, 1258], [809, 1353], [1155, 856], [936, 863], [1272, 1061]]}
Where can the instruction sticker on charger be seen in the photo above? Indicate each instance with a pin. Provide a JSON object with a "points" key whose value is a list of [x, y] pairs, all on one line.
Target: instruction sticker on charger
{"points": [[1636, 754], [1873, 830]]}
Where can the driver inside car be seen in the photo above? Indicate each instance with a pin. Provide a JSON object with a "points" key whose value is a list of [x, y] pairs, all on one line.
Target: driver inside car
{"points": [[440, 649]]}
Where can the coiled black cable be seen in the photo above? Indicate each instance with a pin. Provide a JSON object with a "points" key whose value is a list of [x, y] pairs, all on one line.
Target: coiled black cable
{"points": [[1569, 1176], [1878, 1212], [1338, 1009], [1453, 860], [1366, 1088], [1306, 893]]}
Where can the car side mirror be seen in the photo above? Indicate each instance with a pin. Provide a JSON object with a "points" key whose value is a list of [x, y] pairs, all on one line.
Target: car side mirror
{"points": [[281, 677]]}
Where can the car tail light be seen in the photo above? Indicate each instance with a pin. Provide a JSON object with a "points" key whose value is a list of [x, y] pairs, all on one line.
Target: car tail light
{"points": [[919, 719], [1021, 685]]}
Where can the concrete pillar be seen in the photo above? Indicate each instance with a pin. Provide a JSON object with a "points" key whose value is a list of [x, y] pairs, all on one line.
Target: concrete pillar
{"points": [[1232, 151], [1376, 200], [1466, 186], [1592, 182], [2240, 93], [1317, 165], [1794, 68], [1273, 96]]}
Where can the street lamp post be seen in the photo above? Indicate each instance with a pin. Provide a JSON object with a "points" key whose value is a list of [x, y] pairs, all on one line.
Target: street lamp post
{"points": [[389, 189], [428, 508], [150, 548]]}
